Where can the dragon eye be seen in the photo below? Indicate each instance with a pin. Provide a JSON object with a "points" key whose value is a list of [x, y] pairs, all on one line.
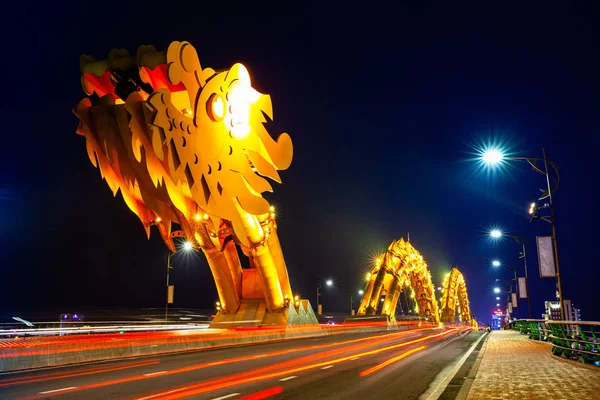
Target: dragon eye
{"points": [[215, 107]]}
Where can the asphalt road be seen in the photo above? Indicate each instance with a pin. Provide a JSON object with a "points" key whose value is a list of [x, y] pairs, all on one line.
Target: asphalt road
{"points": [[399, 365]]}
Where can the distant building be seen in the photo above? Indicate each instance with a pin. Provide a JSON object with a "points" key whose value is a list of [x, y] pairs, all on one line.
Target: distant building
{"points": [[572, 313], [498, 319]]}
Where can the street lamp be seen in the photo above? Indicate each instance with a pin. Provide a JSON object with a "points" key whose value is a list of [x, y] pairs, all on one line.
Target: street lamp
{"points": [[361, 292], [187, 246], [495, 157], [497, 263], [522, 241], [496, 290], [496, 233], [327, 283]]}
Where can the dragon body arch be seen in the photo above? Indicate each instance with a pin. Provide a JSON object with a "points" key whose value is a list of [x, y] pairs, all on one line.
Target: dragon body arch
{"points": [[400, 266], [454, 298]]}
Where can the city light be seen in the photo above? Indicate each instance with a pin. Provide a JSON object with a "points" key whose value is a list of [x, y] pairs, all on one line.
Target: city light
{"points": [[361, 292], [368, 276], [497, 298], [329, 282], [532, 208], [496, 290], [495, 233], [496, 263], [497, 304], [492, 157], [187, 246]]}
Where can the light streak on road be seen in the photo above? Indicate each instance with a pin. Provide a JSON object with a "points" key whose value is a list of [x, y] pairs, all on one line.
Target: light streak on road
{"points": [[390, 361]]}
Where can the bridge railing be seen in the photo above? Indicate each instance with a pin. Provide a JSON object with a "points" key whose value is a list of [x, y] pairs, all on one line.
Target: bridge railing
{"points": [[574, 340]]}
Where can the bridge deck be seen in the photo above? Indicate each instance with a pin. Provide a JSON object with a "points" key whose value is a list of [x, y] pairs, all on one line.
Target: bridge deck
{"points": [[515, 367]]}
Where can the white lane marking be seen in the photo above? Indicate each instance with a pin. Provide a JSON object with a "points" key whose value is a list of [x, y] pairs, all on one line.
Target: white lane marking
{"points": [[155, 373], [446, 381], [226, 396], [328, 366], [355, 358], [58, 390], [287, 378]]}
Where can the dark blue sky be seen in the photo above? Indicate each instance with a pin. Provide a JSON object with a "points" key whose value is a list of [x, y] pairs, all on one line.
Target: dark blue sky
{"points": [[382, 106]]}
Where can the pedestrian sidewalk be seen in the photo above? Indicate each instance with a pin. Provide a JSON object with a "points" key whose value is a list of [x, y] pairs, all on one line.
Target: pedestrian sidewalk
{"points": [[515, 367]]}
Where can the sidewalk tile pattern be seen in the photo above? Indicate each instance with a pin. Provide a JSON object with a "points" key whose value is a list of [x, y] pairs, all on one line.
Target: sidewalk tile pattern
{"points": [[515, 367]]}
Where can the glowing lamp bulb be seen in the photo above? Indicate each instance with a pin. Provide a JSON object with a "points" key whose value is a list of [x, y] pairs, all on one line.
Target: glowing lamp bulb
{"points": [[187, 246], [158, 219], [329, 282], [492, 156], [496, 263], [197, 217], [496, 290], [496, 233], [205, 216]]}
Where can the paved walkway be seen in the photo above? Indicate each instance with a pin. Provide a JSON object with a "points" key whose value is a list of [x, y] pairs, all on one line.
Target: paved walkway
{"points": [[515, 367]]}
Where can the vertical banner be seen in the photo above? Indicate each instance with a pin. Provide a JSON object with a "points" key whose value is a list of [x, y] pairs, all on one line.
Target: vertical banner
{"points": [[523, 288], [545, 249], [514, 300], [170, 294], [510, 308]]}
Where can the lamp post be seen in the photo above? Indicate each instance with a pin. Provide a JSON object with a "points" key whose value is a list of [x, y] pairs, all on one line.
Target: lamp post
{"points": [[495, 157], [497, 263], [327, 283], [521, 240], [187, 246], [507, 290]]}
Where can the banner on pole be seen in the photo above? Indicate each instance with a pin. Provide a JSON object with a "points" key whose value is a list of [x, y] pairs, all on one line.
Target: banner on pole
{"points": [[514, 300], [523, 288], [170, 294], [545, 247]]}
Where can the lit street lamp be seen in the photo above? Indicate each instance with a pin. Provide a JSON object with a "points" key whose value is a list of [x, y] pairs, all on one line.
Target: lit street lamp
{"points": [[187, 246], [495, 233], [496, 290], [497, 263], [521, 240], [327, 283], [495, 157], [361, 292]]}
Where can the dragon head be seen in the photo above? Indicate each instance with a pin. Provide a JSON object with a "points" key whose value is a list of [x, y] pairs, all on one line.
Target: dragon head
{"points": [[213, 138]]}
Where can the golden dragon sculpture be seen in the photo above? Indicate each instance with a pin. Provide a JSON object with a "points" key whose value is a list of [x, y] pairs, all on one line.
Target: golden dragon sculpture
{"points": [[187, 146]]}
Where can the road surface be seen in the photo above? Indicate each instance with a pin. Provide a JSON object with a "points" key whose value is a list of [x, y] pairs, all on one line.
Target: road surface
{"points": [[400, 365]]}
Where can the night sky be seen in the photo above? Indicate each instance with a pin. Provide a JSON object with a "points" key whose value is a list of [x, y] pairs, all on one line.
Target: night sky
{"points": [[384, 107]]}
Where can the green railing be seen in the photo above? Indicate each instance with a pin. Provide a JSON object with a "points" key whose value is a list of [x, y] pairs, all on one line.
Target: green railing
{"points": [[573, 340]]}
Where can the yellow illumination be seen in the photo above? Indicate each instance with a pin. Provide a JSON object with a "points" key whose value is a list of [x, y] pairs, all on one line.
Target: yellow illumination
{"points": [[216, 107], [297, 298], [368, 276], [378, 261], [214, 127]]}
